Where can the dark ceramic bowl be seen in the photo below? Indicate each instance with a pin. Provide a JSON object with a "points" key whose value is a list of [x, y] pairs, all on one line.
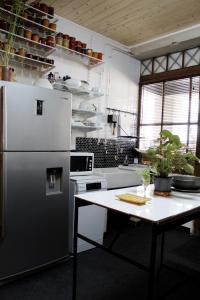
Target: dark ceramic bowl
{"points": [[186, 182]]}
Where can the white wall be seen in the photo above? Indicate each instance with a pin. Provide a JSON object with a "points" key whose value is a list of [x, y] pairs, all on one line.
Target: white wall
{"points": [[118, 77]]}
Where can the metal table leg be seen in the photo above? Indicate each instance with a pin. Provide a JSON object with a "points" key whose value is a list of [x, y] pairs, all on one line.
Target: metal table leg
{"points": [[156, 257], [75, 252]]}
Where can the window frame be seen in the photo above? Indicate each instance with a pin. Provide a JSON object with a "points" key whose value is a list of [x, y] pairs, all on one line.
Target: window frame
{"points": [[161, 124]]}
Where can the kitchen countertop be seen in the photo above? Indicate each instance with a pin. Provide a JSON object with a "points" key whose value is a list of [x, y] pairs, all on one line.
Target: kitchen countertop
{"points": [[157, 210]]}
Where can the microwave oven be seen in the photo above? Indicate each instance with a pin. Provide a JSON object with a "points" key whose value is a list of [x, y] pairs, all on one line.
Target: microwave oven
{"points": [[81, 163]]}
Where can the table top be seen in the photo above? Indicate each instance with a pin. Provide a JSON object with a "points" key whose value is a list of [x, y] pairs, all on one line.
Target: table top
{"points": [[157, 210]]}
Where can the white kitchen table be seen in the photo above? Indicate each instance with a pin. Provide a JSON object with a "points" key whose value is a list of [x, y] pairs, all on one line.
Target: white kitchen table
{"points": [[163, 213]]}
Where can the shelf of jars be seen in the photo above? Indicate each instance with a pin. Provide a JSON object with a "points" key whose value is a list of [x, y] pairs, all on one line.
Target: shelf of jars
{"points": [[27, 23], [32, 45], [40, 13], [82, 58], [34, 64]]}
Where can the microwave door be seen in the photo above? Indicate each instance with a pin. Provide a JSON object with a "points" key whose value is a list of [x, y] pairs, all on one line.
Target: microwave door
{"points": [[81, 165]]}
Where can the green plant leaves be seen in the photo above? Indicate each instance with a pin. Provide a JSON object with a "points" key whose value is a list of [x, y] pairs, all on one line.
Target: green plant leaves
{"points": [[169, 156]]}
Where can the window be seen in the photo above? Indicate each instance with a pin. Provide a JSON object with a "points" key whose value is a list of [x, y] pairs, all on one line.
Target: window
{"points": [[172, 105]]}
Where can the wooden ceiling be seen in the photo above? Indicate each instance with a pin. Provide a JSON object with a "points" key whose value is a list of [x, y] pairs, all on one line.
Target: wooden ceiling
{"points": [[130, 21]]}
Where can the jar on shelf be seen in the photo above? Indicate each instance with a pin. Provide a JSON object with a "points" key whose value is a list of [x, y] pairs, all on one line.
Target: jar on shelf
{"points": [[51, 12], [59, 39], [84, 50], [100, 55], [84, 45], [35, 37], [42, 41], [44, 8], [52, 26], [29, 55], [27, 34], [35, 57], [89, 52], [20, 31], [45, 22], [4, 25], [95, 54], [22, 52], [65, 41]]}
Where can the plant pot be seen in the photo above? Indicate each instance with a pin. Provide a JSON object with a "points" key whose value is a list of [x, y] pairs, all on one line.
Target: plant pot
{"points": [[163, 185], [5, 73]]}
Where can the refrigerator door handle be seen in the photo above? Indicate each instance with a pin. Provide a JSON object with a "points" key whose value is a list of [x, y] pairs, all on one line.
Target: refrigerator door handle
{"points": [[3, 124]]}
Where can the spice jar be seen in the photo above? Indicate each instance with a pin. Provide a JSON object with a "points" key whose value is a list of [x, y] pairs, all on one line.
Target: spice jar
{"points": [[51, 11], [35, 57], [20, 31], [21, 51], [27, 34], [59, 39], [100, 55], [95, 54], [3, 25], [29, 55], [84, 45], [42, 41], [45, 22], [84, 51], [43, 7], [89, 52], [52, 26], [35, 38], [50, 38], [65, 41]]}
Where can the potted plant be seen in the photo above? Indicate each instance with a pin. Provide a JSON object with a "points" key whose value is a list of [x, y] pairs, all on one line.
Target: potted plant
{"points": [[17, 7], [168, 156]]}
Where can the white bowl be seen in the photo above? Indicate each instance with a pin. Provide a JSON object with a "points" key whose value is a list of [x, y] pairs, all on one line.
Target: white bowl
{"points": [[73, 83], [43, 82]]}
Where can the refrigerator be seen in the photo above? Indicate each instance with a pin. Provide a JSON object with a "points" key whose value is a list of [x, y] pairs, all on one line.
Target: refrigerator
{"points": [[34, 177]]}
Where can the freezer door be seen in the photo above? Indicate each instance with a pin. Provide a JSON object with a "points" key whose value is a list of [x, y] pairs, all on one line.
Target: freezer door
{"points": [[35, 210], [34, 118]]}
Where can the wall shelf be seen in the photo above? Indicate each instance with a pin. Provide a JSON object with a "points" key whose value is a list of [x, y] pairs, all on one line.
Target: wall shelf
{"points": [[6, 14], [44, 49], [84, 59], [77, 91], [85, 113], [86, 128], [31, 63]]}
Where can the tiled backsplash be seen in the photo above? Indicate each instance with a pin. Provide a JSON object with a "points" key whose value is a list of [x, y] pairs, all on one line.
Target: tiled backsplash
{"points": [[109, 152]]}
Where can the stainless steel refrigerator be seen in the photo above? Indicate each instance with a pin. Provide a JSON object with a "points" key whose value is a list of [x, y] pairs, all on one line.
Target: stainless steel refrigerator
{"points": [[34, 177]]}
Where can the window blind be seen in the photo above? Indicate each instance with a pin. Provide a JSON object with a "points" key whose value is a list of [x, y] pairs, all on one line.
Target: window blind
{"points": [[171, 105]]}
